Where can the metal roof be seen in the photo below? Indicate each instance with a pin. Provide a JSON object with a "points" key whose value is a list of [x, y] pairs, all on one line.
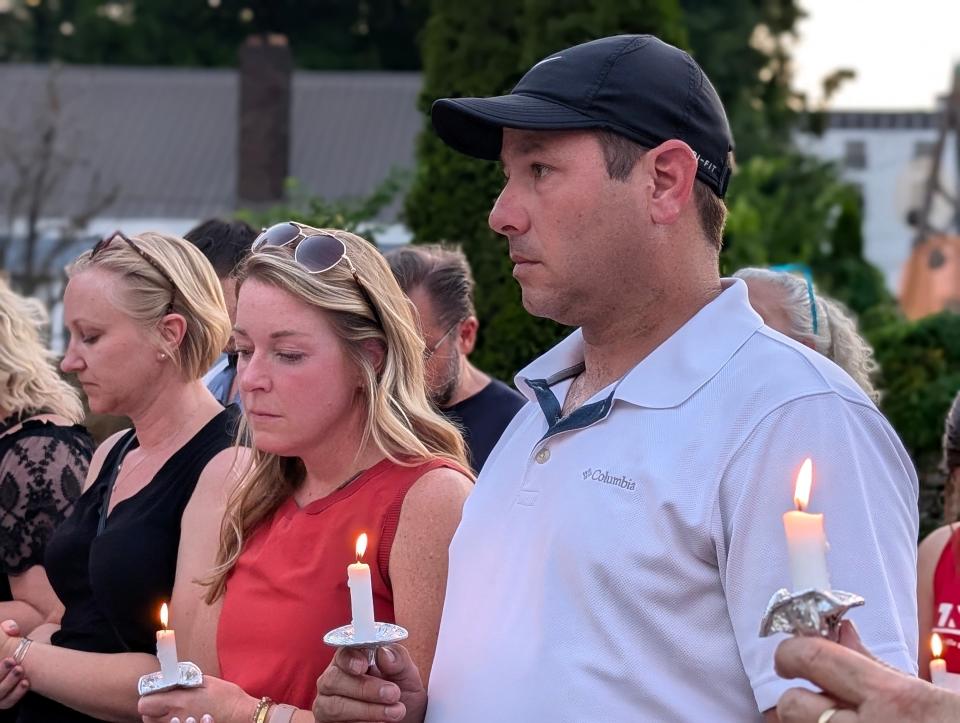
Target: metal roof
{"points": [[166, 138]]}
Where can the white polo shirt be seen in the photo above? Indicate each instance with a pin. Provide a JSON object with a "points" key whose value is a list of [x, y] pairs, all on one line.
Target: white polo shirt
{"points": [[614, 565]]}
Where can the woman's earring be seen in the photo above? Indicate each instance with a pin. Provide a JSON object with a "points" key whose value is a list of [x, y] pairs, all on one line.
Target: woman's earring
{"points": [[162, 356]]}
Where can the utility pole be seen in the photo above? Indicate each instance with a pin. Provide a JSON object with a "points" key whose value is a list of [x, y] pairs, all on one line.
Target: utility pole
{"points": [[931, 276], [949, 124]]}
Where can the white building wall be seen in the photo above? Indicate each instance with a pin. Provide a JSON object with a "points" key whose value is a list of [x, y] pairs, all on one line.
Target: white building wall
{"points": [[891, 182]]}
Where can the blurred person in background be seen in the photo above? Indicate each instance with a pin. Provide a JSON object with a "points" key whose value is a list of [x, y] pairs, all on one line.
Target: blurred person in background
{"points": [[791, 304], [146, 318], [224, 244], [938, 565], [44, 455], [439, 282]]}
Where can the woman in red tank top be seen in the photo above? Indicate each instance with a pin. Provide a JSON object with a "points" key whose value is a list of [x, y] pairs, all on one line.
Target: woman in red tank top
{"points": [[332, 381], [938, 567]]}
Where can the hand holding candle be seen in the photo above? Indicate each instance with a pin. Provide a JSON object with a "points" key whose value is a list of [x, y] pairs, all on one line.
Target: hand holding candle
{"points": [[361, 594], [806, 542], [167, 651]]}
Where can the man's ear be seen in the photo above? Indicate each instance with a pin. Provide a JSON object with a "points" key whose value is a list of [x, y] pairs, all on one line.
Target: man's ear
{"points": [[673, 166], [467, 335]]}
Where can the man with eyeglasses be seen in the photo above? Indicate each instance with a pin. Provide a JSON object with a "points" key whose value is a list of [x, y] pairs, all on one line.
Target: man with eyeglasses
{"points": [[439, 283]]}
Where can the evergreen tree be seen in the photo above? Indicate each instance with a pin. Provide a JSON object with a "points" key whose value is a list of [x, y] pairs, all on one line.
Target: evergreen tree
{"points": [[473, 50]]}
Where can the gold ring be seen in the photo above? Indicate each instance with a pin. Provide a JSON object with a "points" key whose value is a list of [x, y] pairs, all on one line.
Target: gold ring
{"points": [[827, 715]]}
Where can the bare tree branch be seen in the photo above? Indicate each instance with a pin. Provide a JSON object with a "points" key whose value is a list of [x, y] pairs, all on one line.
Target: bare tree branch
{"points": [[40, 159]]}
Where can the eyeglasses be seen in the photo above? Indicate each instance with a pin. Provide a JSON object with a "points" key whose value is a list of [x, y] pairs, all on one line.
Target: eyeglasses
{"points": [[431, 350], [103, 243], [315, 250], [808, 277]]}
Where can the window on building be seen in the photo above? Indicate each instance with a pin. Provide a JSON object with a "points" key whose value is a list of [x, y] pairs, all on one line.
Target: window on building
{"points": [[855, 155]]}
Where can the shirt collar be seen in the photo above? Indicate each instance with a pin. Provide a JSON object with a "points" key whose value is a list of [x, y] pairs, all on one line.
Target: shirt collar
{"points": [[677, 368]]}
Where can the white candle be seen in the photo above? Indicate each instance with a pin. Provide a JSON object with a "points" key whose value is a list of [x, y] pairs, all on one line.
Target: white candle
{"points": [[361, 594], [938, 666], [167, 651], [939, 675], [806, 542]]}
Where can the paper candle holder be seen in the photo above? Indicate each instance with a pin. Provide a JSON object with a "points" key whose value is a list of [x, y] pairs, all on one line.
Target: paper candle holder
{"points": [[384, 634], [190, 677], [808, 612]]}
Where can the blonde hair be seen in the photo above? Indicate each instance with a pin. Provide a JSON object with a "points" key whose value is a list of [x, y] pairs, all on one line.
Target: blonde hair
{"points": [[837, 337], [400, 421], [146, 296], [28, 378]]}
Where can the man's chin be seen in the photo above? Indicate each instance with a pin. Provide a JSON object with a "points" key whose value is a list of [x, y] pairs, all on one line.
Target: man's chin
{"points": [[542, 308]]}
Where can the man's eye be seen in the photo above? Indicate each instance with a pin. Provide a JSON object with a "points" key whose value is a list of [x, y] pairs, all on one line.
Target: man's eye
{"points": [[539, 170]]}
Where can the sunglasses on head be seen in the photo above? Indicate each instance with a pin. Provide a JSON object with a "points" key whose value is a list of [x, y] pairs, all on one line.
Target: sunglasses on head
{"points": [[316, 251], [103, 243]]}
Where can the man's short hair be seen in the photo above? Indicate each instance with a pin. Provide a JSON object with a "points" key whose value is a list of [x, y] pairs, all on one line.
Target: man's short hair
{"points": [[224, 243], [443, 272], [621, 154]]}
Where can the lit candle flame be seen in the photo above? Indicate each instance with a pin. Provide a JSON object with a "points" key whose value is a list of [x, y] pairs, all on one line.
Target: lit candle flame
{"points": [[801, 495], [936, 646], [361, 546], [163, 616]]}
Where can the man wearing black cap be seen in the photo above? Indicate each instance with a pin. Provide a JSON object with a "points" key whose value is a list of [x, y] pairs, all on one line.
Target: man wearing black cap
{"points": [[625, 535]]}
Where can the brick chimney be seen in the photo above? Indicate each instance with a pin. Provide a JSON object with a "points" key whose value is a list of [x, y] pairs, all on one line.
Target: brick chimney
{"points": [[263, 140]]}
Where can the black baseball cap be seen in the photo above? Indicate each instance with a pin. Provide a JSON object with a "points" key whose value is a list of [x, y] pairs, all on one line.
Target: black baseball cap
{"points": [[635, 85]]}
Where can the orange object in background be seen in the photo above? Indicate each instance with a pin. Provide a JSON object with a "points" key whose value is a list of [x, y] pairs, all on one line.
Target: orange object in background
{"points": [[931, 278]]}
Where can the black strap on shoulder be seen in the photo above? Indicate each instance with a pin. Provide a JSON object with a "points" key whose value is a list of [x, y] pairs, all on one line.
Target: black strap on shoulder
{"points": [[121, 451]]}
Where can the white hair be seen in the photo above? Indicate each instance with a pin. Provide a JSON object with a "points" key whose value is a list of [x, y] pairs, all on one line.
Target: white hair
{"points": [[836, 336]]}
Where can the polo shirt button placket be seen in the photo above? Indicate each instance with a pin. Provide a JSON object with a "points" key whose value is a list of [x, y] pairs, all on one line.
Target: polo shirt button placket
{"points": [[543, 456]]}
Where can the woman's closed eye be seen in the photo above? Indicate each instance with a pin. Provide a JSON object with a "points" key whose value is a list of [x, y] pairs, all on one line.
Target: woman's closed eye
{"points": [[290, 357]]}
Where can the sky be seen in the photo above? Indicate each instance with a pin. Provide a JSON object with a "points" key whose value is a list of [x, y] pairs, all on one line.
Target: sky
{"points": [[903, 51]]}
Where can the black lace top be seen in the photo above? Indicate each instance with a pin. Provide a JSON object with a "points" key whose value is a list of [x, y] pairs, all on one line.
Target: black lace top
{"points": [[42, 468]]}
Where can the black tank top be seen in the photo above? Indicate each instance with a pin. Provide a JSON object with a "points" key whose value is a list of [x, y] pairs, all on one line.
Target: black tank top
{"points": [[113, 584]]}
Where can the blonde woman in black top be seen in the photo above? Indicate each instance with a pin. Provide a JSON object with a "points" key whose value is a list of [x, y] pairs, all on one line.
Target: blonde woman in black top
{"points": [[146, 318]]}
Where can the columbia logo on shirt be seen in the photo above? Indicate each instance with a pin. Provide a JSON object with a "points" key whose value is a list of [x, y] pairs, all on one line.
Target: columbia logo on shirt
{"points": [[602, 475]]}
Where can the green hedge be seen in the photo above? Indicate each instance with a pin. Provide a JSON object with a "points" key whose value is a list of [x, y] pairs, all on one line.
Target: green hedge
{"points": [[920, 374]]}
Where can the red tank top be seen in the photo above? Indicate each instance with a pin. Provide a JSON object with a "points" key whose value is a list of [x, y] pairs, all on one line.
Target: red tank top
{"points": [[946, 603], [289, 586]]}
